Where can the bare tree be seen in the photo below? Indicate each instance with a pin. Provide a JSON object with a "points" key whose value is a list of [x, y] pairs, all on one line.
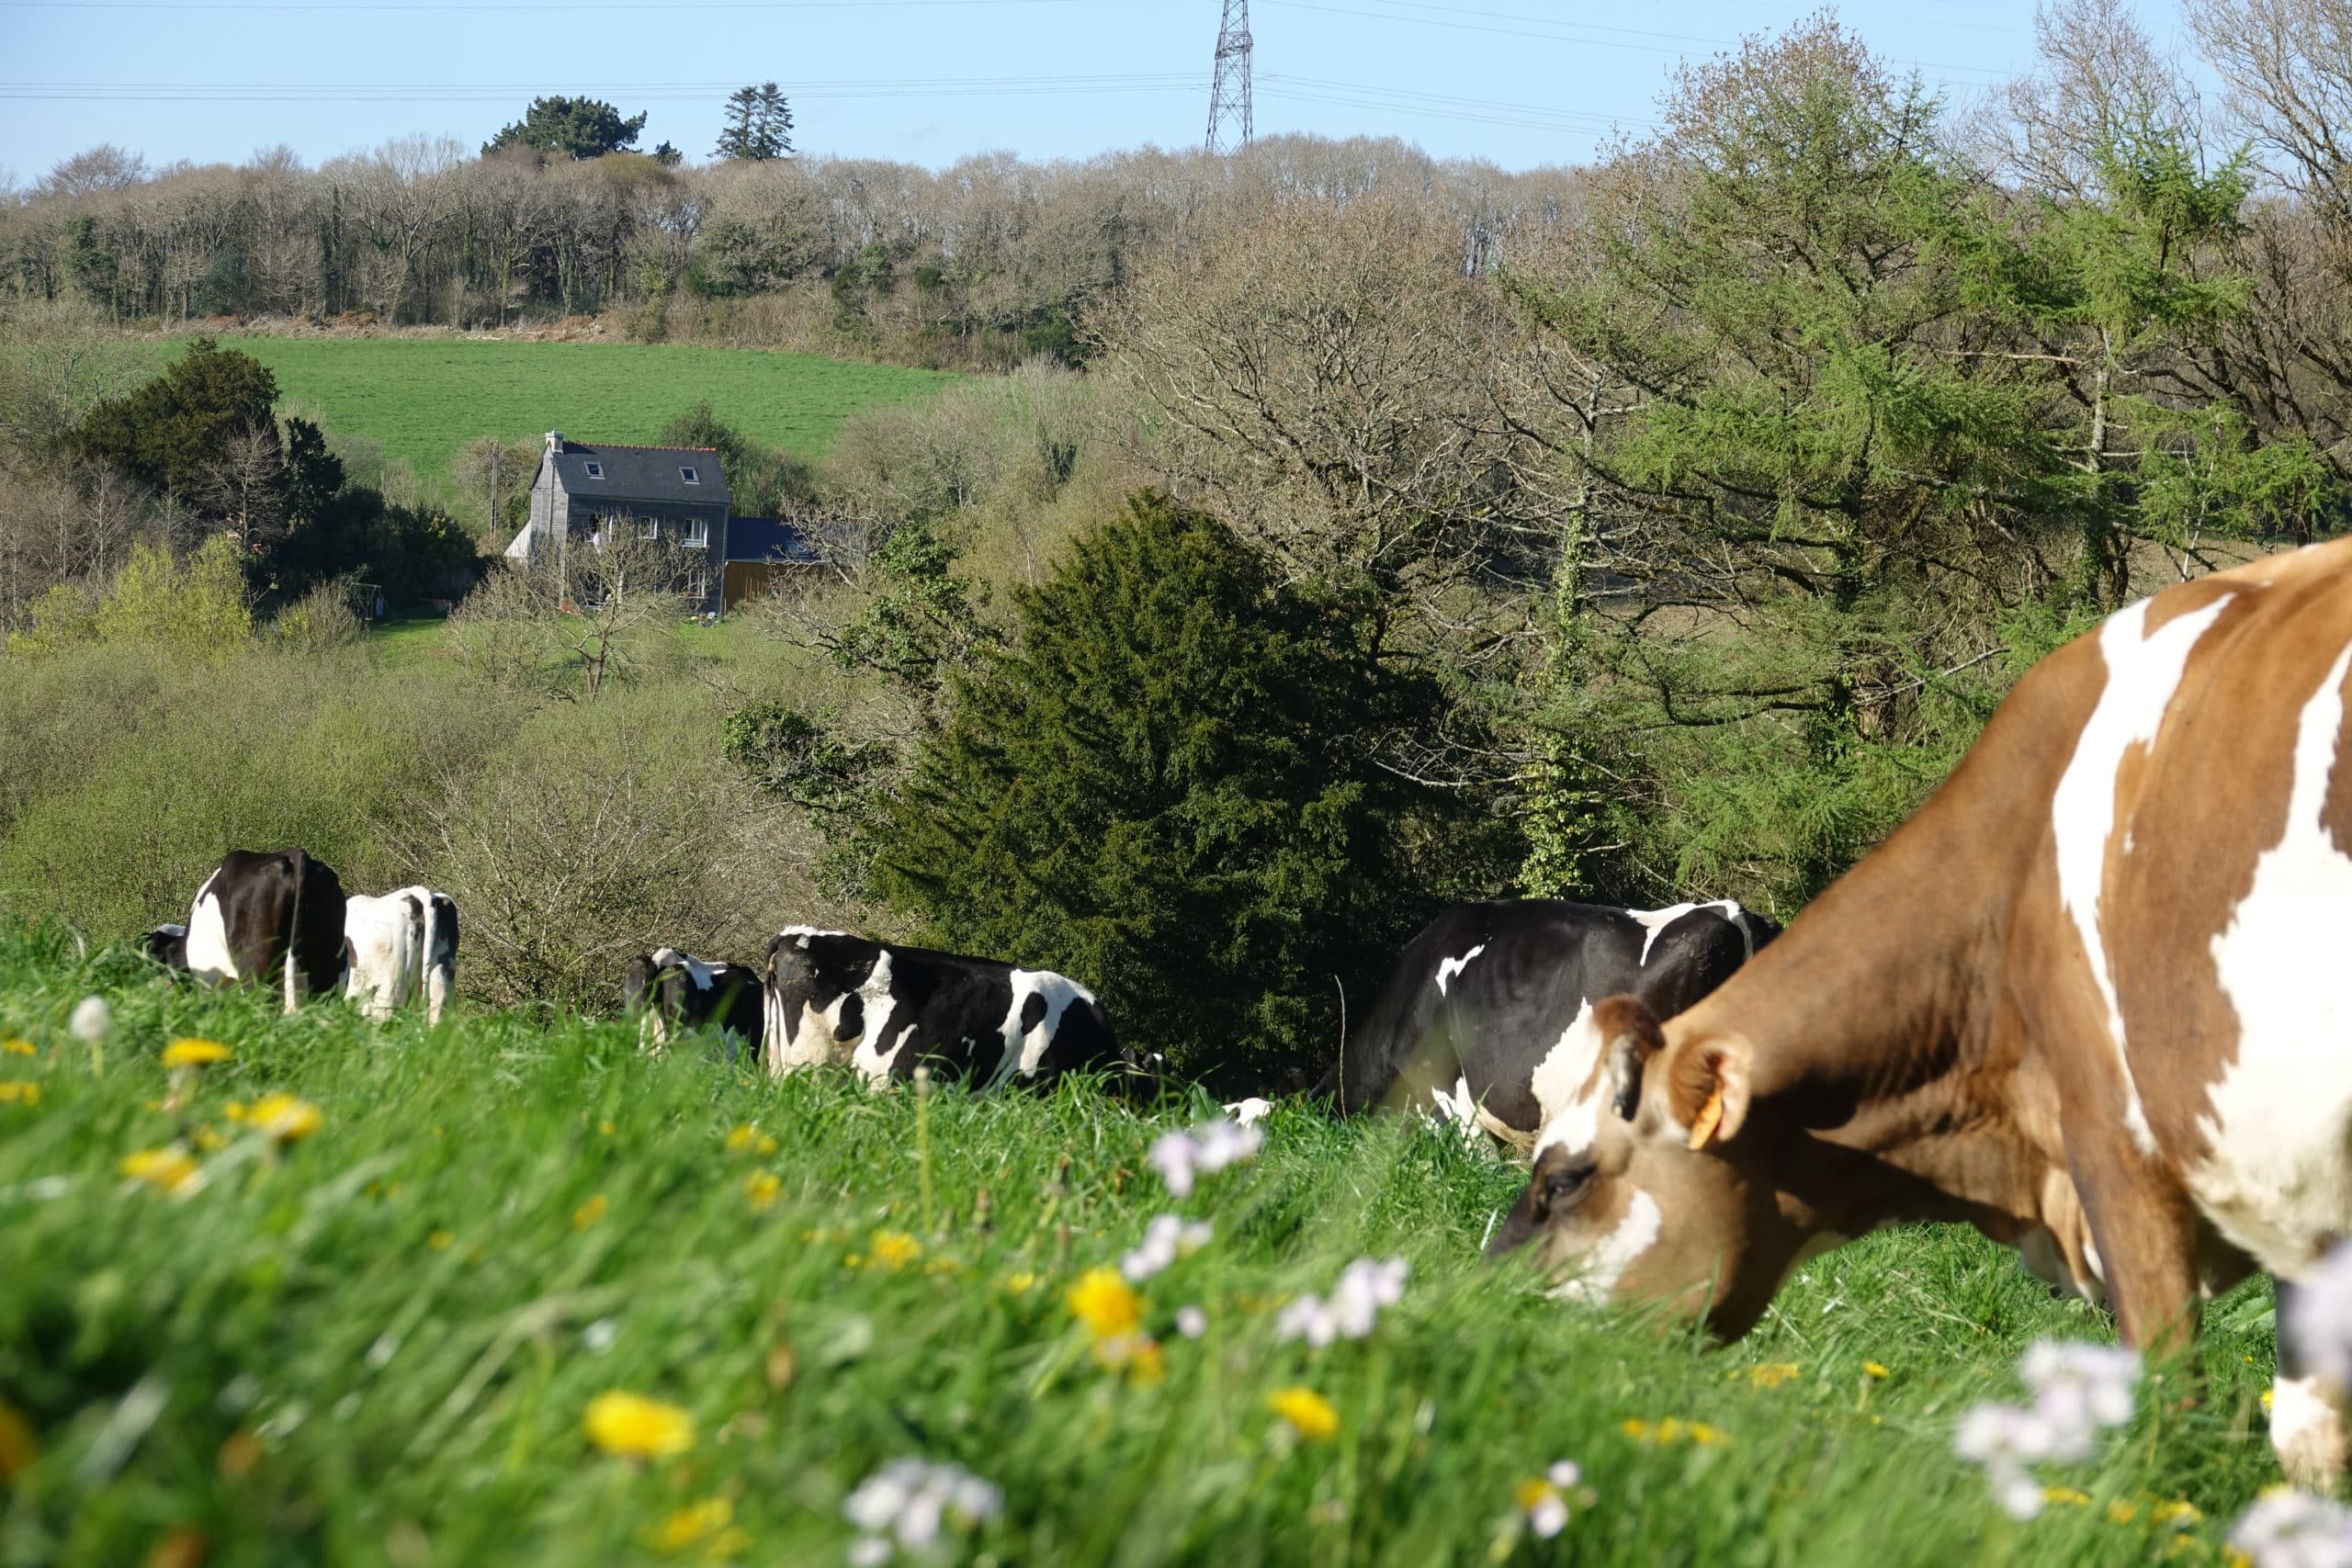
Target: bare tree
{"points": [[101, 168], [2099, 76]]}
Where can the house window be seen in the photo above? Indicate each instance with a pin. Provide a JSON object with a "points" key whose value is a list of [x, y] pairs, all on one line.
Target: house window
{"points": [[648, 529], [698, 534], [697, 586], [596, 470], [691, 477]]}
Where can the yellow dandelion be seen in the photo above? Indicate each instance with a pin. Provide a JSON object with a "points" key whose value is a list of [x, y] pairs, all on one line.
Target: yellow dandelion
{"points": [[208, 1140], [17, 1048], [2122, 1511], [19, 1094], [588, 1214], [1773, 1374], [2178, 1513], [605, 1128], [634, 1425], [1708, 1436], [689, 1525], [282, 1117], [440, 1241], [1307, 1413], [171, 1167], [2066, 1497], [1019, 1284], [892, 1250], [1147, 1365], [1105, 1303], [760, 1189], [2267, 1397], [747, 1136], [195, 1053], [1532, 1491], [18, 1446], [1874, 1370]]}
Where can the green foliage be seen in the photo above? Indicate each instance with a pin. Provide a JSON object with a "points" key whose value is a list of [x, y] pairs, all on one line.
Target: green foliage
{"points": [[922, 623], [306, 1313], [171, 431], [569, 127], [1161, 788], [759, 124], [806, 759], [764, 480], [197, 607]]}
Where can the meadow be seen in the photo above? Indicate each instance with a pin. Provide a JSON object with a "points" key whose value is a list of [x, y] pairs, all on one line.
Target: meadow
{"points": [[421, 399], [379, 1341]]}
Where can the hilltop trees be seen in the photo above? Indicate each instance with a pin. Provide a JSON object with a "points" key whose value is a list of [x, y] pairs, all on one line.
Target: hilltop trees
{"points": [[571, 128], [759, 125]]}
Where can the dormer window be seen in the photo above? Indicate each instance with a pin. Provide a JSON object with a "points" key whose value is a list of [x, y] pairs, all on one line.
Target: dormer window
{"points": [[596, 470], [691, 477]]}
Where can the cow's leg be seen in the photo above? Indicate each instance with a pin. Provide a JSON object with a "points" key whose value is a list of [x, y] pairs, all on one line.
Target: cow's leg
{"points": [[2309, 1425], [2146, 1234]]}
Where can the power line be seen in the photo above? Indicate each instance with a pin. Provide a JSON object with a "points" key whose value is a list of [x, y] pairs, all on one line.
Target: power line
{"points": [[431, 6], [640, 92]]}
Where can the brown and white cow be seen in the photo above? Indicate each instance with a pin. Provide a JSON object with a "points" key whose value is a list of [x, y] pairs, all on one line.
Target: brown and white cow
{"points": [[2093, 998]]}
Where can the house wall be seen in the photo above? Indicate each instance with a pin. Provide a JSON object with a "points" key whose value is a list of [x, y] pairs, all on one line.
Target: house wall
{"points": [[586, 516]]}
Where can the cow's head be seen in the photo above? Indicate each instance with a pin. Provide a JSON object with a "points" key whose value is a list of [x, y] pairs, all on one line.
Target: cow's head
{"points": [[1648, 1186]]}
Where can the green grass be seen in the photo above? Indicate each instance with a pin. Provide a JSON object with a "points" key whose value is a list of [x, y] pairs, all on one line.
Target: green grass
{"points": [[376, 1348], [425, 398]]}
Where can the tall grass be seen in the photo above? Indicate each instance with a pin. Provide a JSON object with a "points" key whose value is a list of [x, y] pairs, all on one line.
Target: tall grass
{"points": [[376, 1346]]}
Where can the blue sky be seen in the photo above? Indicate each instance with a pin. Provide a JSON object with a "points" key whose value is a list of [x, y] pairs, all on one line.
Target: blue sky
{"points": [[1519, 82]]}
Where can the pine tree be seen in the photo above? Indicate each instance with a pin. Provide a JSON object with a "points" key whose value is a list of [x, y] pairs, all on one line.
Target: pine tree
{"points": [[759, 124], [1162, 787]]}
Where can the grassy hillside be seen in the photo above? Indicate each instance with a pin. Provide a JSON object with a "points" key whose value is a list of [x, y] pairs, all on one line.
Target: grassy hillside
{"points": [[424, 397], [379, 1345]]}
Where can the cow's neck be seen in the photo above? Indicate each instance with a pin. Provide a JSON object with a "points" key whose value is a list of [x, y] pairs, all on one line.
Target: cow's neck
{"points": [[1874, 1026]]}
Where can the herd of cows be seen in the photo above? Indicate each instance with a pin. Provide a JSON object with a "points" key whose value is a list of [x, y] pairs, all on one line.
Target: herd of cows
{"points": [[2091, 999]]}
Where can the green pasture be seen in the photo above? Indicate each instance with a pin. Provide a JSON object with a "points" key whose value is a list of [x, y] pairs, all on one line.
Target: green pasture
{"points": [[421, 399], [377, 1344]]}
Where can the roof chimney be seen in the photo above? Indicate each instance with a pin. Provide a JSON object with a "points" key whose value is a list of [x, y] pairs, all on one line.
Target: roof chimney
{"points": [[554, 442]]}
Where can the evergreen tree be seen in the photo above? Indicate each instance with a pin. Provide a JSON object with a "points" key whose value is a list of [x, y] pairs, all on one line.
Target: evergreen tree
{"points": [[172, 431], [571, 128], [1160, 787], [759, 124]]}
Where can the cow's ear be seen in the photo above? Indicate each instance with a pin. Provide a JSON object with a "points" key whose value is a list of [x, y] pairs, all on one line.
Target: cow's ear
{"points": [[1707, 1087], [1630, 1036]]}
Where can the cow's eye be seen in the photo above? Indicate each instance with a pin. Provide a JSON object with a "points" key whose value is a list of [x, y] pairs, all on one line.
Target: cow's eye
{"points": [[1563, 1185]]}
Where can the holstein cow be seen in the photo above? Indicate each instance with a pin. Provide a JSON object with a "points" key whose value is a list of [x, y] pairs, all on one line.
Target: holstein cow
{"points": [[1482, 1021], [669, 993], [167, 945], [402, 944], [885, 1010], [260, 916], [2091, 999]]}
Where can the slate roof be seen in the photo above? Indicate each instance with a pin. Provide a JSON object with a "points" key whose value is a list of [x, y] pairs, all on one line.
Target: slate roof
{"points": [[767, 540], [642, 473]]}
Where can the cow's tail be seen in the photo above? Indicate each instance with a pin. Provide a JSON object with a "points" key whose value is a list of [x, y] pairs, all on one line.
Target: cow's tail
{"points": [[424, 957], [295, 859]]}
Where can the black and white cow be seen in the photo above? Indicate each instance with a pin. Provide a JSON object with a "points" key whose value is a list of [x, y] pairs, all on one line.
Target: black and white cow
{"points": [[167, 945], [402, 944], [669, 993], [259, 916], [885, 1010], [1479, 1002]]}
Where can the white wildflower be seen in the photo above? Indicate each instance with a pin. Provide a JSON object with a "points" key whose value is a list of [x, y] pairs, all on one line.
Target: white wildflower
{"points": [[1191, 1321], [1549, 1517], [2018, 1492], [902, 1506], [1354, 1309], [2318, 1319], [2294, 1529], [598, 1336], [1206, 1149], [1544, 1501], [93, 1020], [2081, 1385], [1173, 1155], [1165, 1240]]}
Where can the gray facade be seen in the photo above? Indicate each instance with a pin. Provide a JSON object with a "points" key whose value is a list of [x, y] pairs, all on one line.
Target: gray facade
{"points": [[678, 493]]}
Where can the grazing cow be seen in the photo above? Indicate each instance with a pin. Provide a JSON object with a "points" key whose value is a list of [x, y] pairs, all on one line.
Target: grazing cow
{"points": [[668, 993], [401, 944], [167, 945], [1479, 1022], [258, 914], [2091, 998], [885, 1009]]}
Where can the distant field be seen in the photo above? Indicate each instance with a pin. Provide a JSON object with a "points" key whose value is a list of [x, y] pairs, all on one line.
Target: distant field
{"points": [[425, 398]]}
